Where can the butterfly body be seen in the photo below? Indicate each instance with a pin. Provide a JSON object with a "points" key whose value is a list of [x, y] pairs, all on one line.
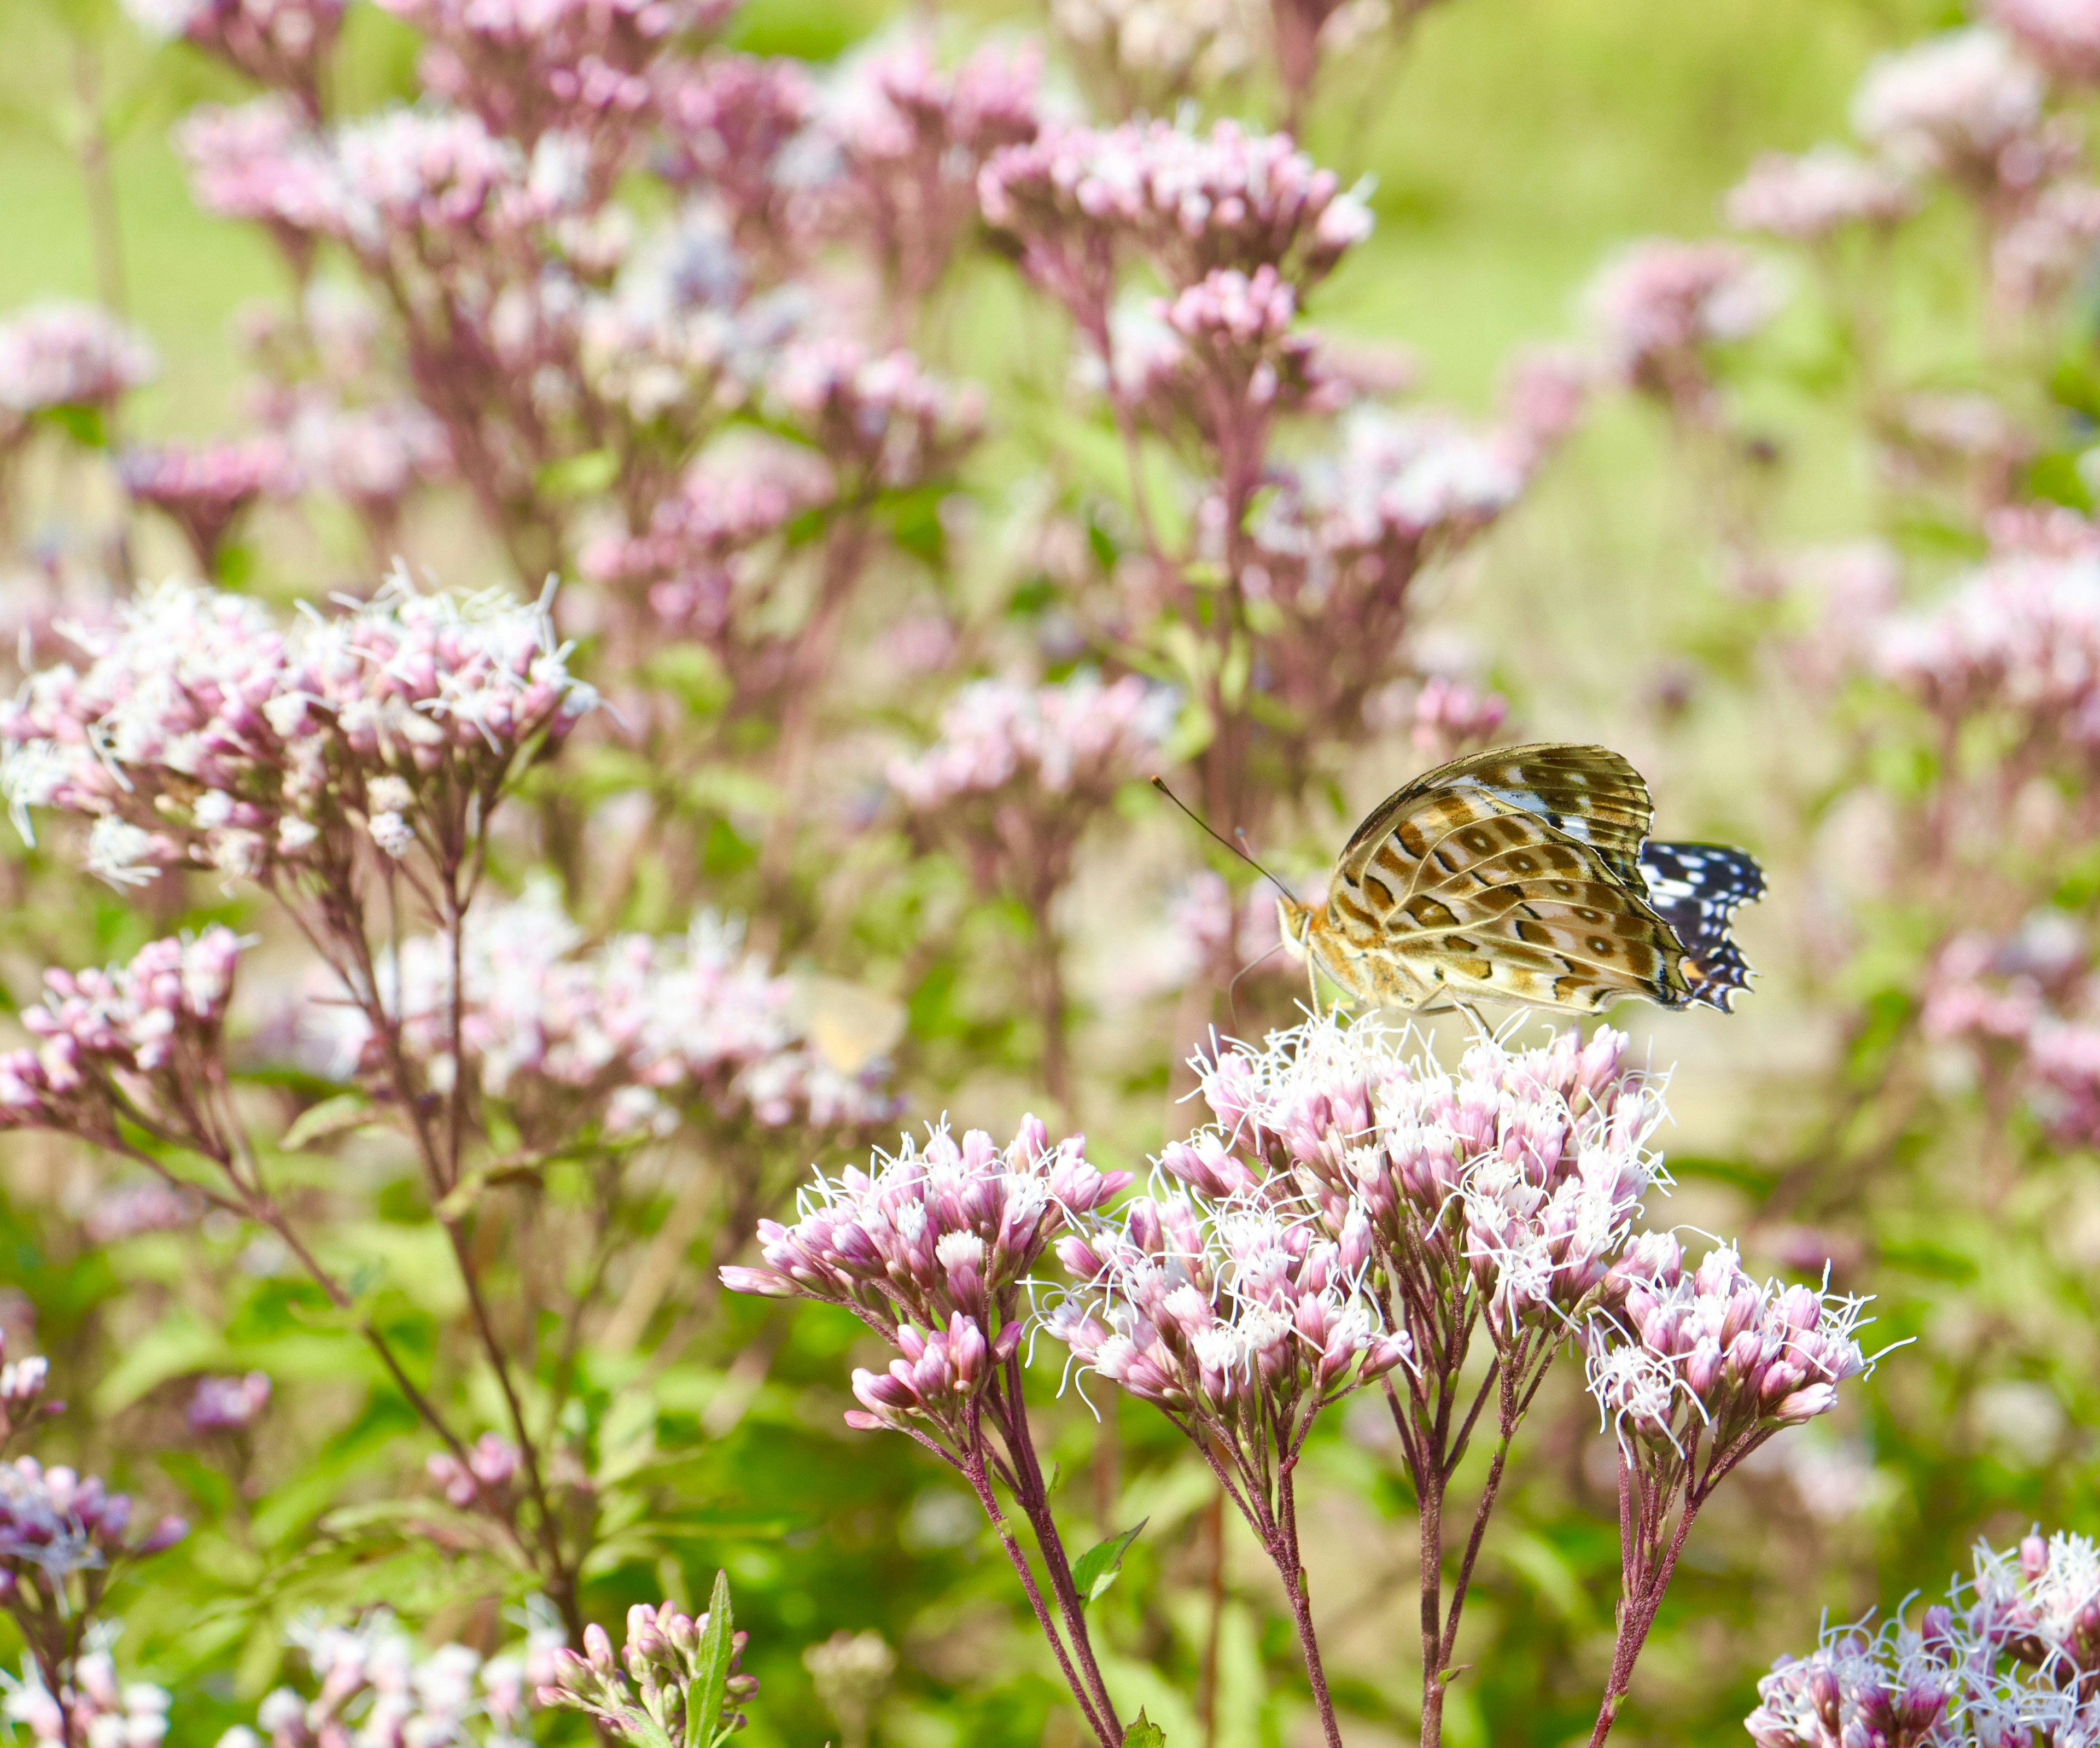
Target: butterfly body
{"points": [[1524, 875]]}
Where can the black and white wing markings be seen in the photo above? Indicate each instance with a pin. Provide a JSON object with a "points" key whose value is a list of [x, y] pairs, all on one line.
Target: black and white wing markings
{"points": [[1697, 888]]}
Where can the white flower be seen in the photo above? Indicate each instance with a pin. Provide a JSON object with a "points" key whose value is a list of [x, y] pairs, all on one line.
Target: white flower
{"points": [[392, 833], [118, 852]]}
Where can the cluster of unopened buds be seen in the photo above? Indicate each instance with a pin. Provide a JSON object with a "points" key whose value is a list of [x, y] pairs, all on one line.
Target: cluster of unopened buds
{"points": [[667, 1659], [1222, 356], [2007, 1660], [134, 1039], [484, 1477], [378, 1688], [1076, 737], [202, 735], [1686, 1353], [931, 1249]]}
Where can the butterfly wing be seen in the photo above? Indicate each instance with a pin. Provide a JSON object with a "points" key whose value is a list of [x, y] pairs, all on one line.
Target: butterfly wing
{"points": [[1697, 888], [1499, 877], [1590, 794]]}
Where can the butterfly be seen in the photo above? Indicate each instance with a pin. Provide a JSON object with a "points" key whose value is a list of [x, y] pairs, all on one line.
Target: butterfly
{"points": [[1525, 874]]}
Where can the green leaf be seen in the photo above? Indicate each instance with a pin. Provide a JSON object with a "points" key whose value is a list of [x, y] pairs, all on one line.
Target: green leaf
{"points": [[703, 1702], [1143, 1733], [1101, 1565], [331, 1117]]}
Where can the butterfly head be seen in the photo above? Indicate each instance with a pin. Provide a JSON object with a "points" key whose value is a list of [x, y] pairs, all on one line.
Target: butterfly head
{"points": [[1293, 922]]}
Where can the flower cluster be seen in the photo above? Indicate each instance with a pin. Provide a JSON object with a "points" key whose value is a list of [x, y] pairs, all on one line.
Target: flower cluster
{"points": [[228, 1405], [1518, 1177], [2008, 1658], [1450, 717], [2062, 36], [55, 1523], [1709, 1353], [201, 735], [96, 1709], [1078, 737], [22, 1400], [628, 1034], [894, 147], [1666, 308], [1223, 358], [2020, 640], [1158, 51], [696, 562], [1954, 105], [379, 1689], [1806, 198], [205, 488], [69, 355], [1080, 199], [881, 420], [931, 1249], [675, 1669], [282, 44], [136, 1041], [526, 66], [1225, 1307]]}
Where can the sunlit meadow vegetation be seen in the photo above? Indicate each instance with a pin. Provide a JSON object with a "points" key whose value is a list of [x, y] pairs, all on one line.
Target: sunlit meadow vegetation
{"points": [[626, 1119]]}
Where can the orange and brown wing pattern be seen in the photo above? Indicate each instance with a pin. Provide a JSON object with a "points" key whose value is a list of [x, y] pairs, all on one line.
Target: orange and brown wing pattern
{"points": [[1484, 880], [1590, 794]]}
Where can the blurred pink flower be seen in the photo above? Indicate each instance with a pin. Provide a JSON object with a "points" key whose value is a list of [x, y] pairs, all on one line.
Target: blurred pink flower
{"points": [[69, 354], [205, 488], [2063, 36], [1664, 307], [1806, 198], [228, 1405], [1952, 104]]}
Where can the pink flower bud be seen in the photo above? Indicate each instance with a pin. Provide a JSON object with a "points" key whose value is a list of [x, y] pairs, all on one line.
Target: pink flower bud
{"points": [[967, 1350]]}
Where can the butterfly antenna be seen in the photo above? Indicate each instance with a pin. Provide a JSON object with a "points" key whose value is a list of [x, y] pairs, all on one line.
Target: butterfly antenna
{"points": [[1233, 988], [1238, 849]]}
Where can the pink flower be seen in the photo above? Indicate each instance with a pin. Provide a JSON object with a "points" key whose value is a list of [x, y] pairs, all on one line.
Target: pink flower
{"points": [[1080, 199], [69, 354], [2063, 36], [205, 488], [1807, 198], [1663, 307], [931, 1249], [1079, 737], [1952, 104], [228, 1405], [1710, 1352]]}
